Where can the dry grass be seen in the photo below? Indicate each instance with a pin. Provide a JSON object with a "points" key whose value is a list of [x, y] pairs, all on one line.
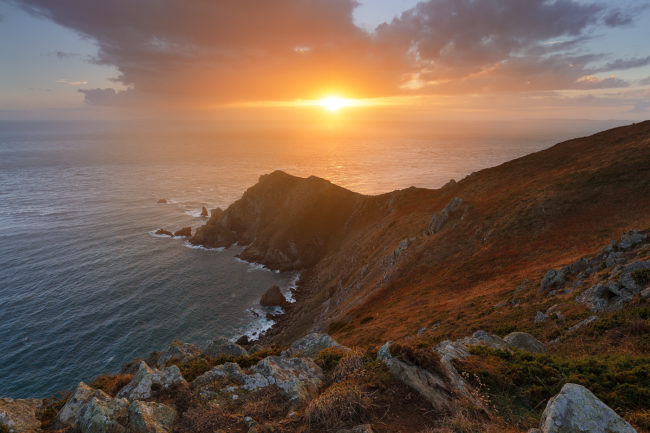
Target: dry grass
{"points": [[343, 403], [111, 384], [350, 365]]}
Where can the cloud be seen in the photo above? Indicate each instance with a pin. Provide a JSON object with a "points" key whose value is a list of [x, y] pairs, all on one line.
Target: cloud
{"points": [[72, 83], [591, 82], [61, 55], [205, 52], [645, 81], [620, 64]]}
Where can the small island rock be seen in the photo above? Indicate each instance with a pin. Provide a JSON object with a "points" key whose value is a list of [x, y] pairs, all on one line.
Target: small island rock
{"points": [[273, 297], [185, 231], [162, 201], [204, 212], [164, 233]]}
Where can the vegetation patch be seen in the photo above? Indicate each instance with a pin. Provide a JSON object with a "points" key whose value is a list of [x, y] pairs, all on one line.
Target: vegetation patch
{"points": [[343, 403], [521, 383], [111, 384], [51, 406], [420, 356]]}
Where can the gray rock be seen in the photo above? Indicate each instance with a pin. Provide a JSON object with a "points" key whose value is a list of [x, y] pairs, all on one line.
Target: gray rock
{"points": [[581, 324], [140, 386], [604, 297], [576, 410], [311, 345], [103, 416], [151, 417], [178, 352], [438, 220], [553, 278], [540, 317], [631, 239], [645, 293], [298, 378], [82, 395], [20, 415], [627, 280], [525, 342], [221, 346], [433, 387], [615, 258]]}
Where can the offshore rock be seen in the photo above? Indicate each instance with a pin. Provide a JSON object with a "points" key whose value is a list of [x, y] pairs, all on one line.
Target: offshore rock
{"points": [[204, 212], [178, 352], [221, 346], [162, 201], [185, 231], [164, 232], [273, 297], [81, 397], [147, 378], [576, 410], [20, 415], [151, 417]]}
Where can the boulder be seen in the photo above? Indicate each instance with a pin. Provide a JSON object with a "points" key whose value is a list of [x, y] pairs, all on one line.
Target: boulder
{"points": [[221, 346], [604, 297], [20, 415], [273, 297], [311, 345], [540, 317], [185, 231], [178, 352], [204, 212], [553, 278], [576, 410], [103, 416], [164, 232], [81, 397], [631, 239], [430, 385], [162, 201], [147, 378], [298, 378], [151, 417], [525, 342]]}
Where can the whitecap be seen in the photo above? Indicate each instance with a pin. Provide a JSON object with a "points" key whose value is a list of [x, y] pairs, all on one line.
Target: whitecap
{"points": [[155, 235], [201, 247], [195, 213]]}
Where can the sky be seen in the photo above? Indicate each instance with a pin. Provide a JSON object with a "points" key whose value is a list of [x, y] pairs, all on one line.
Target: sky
{"points": [[433, 58]]}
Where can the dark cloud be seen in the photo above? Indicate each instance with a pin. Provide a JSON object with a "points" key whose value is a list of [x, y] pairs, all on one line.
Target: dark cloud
{"points": [[645, 81], [61, 55], [620, 64], [176, 51]]}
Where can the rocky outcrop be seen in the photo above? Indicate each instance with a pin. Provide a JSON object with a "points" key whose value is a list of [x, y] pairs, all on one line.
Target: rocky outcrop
{"points": [[81, 397], [184, 232], [163, 232], [576, 410], [151, 417], [221, 346], [432, 386], [20, 415], [103, 416], [147, 379], [525, 342], [612, 294], [311, 345], [298, 378], [204, 212], [178, 352], [273, 297], [455, 209], [553, 279]]}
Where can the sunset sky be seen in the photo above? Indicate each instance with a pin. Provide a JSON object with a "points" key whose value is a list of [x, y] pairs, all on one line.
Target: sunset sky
{"points": [[449, 58]]}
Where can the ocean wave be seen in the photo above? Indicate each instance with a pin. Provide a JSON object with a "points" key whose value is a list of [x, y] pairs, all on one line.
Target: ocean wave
{"points": [[261, 323], [195, 213], [252, 266], [156, 235], [293, 285], [201, 247]]}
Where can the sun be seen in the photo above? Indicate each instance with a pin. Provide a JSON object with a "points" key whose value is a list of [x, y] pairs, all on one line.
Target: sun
{"points": [[334, 103]]}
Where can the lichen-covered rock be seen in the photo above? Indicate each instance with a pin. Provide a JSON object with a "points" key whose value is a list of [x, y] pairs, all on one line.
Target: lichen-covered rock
{"points": [[228, 370], [553, 278], [177, 352], [140, 386], [604, 297], [221, 346], [311, 345], [433, 387], [20, 415], [298, 378], [151, 417], [103, 416], [82, 395], [576, 410], [524, 341]]}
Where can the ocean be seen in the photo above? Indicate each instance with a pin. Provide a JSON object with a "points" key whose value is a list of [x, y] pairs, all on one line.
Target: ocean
{"points": [[86, 286]]}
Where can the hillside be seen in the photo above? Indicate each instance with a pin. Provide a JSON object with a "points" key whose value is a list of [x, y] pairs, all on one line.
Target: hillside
{"points": [[375, 267]]}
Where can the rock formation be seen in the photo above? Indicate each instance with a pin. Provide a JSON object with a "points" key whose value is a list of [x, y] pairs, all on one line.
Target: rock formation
{"points": [[185, 231], [273, 297]]}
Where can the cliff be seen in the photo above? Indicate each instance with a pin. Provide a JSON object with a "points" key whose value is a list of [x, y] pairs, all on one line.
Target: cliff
{"points": [[399, 261]]}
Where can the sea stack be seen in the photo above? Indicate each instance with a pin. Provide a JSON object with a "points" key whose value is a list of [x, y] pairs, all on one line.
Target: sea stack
{"points": [[204, 212], [273, 297], [185, 231]]}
